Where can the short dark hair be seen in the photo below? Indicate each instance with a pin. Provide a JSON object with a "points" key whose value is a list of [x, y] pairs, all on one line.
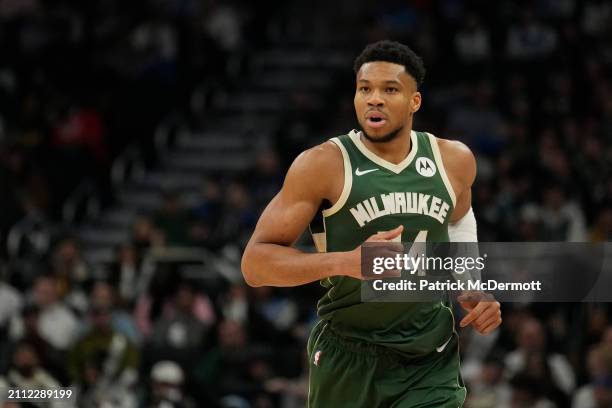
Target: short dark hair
{"points": [[394, 52]]}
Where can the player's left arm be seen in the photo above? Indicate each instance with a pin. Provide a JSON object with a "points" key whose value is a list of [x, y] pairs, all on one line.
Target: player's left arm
{"points": [[484, 312]]}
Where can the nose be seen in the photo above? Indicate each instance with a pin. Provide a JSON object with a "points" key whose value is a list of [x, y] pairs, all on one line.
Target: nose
{"points": [[375, 99]]}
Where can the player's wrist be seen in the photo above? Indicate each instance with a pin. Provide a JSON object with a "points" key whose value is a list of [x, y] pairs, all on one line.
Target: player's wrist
{"points": [[335, 264], [344, 264]]}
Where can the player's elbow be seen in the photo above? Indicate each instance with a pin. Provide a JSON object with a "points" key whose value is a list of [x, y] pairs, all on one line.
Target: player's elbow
{"points": [[248, 270]]}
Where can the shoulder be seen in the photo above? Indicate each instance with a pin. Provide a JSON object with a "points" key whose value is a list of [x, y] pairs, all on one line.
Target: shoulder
{"points": [[458, 159], [324, 155], [324, 158], [316, 169]]}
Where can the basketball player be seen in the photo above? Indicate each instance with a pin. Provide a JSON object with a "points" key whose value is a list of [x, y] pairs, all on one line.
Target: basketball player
{"points": [[374, 354]]}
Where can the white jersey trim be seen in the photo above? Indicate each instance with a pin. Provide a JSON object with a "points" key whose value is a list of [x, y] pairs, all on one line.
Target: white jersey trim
{"points": [[320, 241], [395, 168], [440, 164], [348, 181]]}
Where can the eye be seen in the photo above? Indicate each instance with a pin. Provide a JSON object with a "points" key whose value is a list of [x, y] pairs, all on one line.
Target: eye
{"points": [[363, 89], [391, 89]]}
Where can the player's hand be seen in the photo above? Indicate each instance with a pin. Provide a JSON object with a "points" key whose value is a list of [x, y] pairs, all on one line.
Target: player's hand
{"points": [[353, 263], [484, 313]]}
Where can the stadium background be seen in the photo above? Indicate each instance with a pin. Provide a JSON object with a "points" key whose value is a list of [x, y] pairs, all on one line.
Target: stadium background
{"points": [[139, 141]]}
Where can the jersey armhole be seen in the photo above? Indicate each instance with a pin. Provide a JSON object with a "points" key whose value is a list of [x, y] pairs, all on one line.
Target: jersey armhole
{"points": [[348, 180], [440, 164]]}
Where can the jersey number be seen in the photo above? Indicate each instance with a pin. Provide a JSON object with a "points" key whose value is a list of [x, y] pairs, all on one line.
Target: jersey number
{"points": [[420, 237]]}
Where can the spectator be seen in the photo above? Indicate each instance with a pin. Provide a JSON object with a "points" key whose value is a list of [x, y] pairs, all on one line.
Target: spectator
{"points": [[527, 393], [223, 24], [279, 312], [547, 369], [476, 122], [179, 334], [68, 264], [596, 17], [531, 38], [125, 273], [173, 220], [238, 215], [26, 373], [235, 304], [155, 44], [268, 318], [266, 179], [472, 42], [103, 297], [562, 220], [230, 367], [206, 214], [57, 324], [529, 226], [145, 236], [10, 304], [104, 363], [293, 391], [598, 393], [146, 317], [30, 238], [490, 389], [82, 128], [167, 381], [50, 358], [210, 205], [72, 273]]}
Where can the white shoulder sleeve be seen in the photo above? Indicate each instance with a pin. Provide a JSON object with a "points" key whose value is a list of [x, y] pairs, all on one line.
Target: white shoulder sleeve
{"points": [[464, 230]]}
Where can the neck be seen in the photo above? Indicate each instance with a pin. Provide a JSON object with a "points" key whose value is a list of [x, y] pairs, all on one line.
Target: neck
{"points": [[393, 151]]}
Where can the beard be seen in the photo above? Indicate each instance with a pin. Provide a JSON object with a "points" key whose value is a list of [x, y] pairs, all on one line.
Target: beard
{"points": [[385, 138]]}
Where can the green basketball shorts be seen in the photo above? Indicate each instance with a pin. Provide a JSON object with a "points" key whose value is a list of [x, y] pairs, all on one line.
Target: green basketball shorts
{"points": [[349, 373]]}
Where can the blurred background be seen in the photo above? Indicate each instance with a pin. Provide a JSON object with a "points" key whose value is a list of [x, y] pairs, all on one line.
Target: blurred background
{"points": [[140, 140]]}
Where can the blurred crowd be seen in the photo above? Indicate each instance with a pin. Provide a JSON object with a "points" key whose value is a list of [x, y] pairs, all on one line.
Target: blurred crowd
{"points": [[525, 84]]}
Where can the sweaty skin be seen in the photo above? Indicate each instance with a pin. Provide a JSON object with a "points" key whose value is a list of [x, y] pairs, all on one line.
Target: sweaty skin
{"points": [[386, 91]]}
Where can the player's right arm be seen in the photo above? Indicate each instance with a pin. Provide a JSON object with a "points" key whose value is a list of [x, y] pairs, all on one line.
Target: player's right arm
{"points": [[269, 258]]}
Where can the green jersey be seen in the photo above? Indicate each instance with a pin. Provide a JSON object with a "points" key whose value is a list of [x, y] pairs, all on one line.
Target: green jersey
{"points": [[377, 196]]}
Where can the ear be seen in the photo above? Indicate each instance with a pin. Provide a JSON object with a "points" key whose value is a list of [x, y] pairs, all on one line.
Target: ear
{"points": [[415, 102]]}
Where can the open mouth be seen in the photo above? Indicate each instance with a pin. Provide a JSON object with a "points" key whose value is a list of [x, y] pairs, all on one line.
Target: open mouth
{"points": [[376, 120]]}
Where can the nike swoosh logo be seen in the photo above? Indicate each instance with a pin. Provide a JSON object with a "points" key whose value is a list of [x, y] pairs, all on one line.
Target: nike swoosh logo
{"points": [[361, 173], [442, 347]]}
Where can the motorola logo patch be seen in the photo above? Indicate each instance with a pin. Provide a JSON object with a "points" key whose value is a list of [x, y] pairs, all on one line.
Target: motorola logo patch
{"points": [[425, 167]]}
